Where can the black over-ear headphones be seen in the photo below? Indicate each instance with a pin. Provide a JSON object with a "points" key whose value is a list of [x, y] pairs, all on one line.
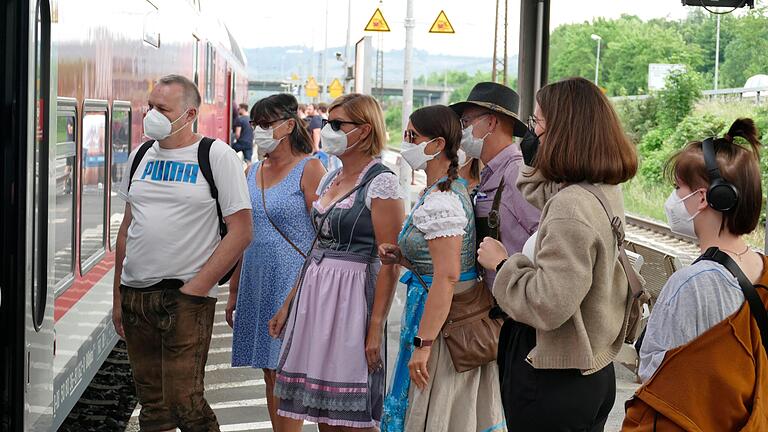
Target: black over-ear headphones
{"points": [[721, 195]]}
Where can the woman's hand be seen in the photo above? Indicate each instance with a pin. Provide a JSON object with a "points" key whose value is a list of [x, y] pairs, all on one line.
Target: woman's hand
{"points": [[230, 311], [418, 367], [391, 254], [277, 322], [373, 348], [491, 253]]}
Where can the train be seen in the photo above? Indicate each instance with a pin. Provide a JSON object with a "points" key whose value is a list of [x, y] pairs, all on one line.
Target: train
{"points": [[75, 79]]}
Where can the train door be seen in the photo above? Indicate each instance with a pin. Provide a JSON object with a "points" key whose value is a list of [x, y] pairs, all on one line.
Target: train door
{"points": [[39, 332], [15, 14], [26, 301]]}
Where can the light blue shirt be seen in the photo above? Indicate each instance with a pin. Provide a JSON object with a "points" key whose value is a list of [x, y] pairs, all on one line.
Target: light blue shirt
{"points": [[692, 301]]}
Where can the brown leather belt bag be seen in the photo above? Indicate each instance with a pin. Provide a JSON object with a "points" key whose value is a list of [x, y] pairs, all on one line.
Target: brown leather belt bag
{"points": [[471, 335]]}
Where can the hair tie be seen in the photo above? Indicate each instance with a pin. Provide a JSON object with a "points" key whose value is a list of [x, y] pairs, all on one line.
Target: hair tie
{"points": [[728, 138]]}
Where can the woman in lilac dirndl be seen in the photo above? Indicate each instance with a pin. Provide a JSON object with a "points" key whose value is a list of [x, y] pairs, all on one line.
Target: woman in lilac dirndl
{"points": [[331, 369]]}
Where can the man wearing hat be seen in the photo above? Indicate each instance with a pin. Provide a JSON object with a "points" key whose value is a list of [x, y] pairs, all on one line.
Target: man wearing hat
{"points": [[490, 124]]}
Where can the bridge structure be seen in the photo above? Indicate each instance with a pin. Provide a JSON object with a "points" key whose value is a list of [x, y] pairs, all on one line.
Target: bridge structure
{"points": [[428, 94]]}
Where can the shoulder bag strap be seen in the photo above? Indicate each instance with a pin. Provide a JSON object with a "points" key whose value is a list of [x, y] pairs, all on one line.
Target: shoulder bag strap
{"points": [[137, 159], [266, 212], [204, 160], [618, 230], [756, 305], [494, 218]]}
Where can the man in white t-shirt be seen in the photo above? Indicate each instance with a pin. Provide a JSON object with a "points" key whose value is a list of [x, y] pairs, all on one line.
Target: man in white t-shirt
{"points": [[170, 255]]}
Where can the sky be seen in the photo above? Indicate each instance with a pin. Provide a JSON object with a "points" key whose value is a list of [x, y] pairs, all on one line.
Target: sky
{"points": [[302, 22]]}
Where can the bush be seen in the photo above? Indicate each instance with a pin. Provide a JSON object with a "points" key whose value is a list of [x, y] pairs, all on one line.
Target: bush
{"points": [[638, 116], [677, 100], [659, 145]]}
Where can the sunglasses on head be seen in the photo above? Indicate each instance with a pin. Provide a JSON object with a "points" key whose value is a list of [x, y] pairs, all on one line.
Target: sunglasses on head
{"points": [[336, 124]]}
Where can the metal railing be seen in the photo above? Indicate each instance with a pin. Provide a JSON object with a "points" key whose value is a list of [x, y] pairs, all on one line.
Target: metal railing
{"points": [[756, 93]]}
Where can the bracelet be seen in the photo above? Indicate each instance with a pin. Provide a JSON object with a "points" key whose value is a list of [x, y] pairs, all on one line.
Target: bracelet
{"points": [[501, 264]]}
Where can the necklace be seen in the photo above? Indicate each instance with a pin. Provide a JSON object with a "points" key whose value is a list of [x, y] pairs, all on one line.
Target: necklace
{"points": [[738, 255]]}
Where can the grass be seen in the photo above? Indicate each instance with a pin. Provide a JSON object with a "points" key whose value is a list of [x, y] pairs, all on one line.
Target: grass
{"points": [[647, 201]]}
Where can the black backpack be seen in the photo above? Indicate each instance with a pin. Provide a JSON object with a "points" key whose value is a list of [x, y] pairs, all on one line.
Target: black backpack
{"points": [[204, 160]]}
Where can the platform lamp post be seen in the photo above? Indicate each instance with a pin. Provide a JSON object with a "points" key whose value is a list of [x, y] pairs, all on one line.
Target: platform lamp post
{"points": [[597, 62]]}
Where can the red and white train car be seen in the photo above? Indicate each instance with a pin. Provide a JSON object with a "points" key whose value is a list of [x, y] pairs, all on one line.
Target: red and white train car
{"points": [[75, 78]]}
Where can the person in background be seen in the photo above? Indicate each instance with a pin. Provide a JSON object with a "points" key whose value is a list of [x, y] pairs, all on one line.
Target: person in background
{"points": [[243, 134], [315, 124], [438, 242], [286, 181], [302, 112], [170, 256], [322, 109], [572, 289], [700, 316], [331, 369]]}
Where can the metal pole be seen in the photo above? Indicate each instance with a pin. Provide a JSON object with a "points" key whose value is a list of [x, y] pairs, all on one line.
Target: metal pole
{"points": [[349, 42], [407, 79], [717, 54], [495, 43], [506, 40], [324, 79], [597, 63], [539, 49]]}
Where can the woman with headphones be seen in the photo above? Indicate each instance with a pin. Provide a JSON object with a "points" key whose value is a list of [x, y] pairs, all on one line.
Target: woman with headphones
{"points": [[717, 200]]}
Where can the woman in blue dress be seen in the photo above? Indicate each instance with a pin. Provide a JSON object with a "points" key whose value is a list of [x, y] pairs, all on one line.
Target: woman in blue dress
{"points": [[287, 182], [437, 242]]}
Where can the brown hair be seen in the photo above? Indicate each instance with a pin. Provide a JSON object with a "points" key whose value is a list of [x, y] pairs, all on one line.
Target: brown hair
{"points": [[364, 109], [440, 121], [738, 166], [584, 140], [243, 106]]}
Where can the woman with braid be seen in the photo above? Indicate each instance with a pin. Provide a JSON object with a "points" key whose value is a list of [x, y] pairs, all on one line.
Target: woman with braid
{"points": [[437, 242]]}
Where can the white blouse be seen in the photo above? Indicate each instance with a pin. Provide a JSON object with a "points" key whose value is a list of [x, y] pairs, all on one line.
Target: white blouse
{"points": [[440, 215]]}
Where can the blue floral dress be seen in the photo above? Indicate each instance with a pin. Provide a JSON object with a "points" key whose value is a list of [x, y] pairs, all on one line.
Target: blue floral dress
{"points": [[270, 266]]}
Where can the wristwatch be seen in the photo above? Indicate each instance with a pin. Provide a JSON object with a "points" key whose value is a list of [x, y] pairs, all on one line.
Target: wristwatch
{"points": [[422, 343]]}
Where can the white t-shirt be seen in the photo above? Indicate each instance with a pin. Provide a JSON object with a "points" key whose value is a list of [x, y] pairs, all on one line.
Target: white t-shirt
{"points": [[175, 228]]}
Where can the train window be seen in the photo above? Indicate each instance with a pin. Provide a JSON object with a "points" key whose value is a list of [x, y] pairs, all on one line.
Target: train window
{"points": [[121, 147], [210, 73], [61, 217], [92, 186]]}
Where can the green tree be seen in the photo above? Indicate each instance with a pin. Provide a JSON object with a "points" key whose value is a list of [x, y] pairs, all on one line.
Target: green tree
{"points": [[745, 54]]}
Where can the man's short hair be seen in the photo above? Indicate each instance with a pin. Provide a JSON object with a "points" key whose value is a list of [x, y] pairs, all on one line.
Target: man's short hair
{"points": [[191, 93], [323, 107], [244, 106]]}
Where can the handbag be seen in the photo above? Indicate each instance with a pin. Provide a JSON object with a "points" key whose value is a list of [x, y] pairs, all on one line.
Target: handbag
{"points": [[469, 332], [264, 204]]}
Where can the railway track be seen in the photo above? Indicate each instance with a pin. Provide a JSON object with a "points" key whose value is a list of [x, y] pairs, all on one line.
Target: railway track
{"points": [[657, 235]]}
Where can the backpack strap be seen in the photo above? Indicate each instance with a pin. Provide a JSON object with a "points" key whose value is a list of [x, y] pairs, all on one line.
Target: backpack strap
{"points": [[137, 159], [618, 231], [756, 305], [204, 160]]}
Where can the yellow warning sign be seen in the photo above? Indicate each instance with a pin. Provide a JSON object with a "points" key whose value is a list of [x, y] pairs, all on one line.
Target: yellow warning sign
{"points": [[294, 77], [335, 89], [311, 87], [377, 23], [441, 24]]}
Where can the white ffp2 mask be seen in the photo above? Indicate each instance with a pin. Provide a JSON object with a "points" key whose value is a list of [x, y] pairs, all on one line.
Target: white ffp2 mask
{"points": [[415, 154], [680, 221], [158, 127]]}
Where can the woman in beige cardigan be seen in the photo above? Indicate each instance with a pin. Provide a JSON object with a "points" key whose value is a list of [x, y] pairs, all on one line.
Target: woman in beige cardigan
{"points": [[567, 299]]}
